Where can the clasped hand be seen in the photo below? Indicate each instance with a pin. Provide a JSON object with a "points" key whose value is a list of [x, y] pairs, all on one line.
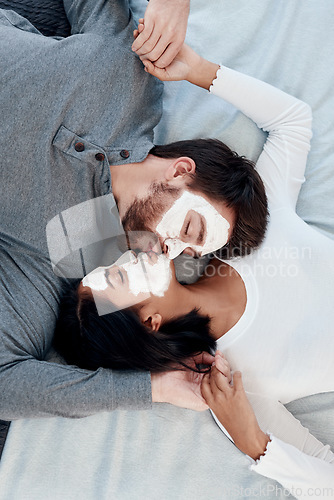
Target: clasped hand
{"points": [[162, 31], [181, 387], [180, 66], [216, 390], [186, 65], [229, 402]]}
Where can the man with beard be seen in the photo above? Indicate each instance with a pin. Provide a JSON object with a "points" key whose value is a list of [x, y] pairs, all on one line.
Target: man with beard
{"points": [[78, 115]]}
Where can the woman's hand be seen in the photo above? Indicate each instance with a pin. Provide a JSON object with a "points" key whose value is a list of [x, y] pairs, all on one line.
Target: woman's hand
{"points": [[232, 408], [187, 65], [181, 67], [164, 32]]}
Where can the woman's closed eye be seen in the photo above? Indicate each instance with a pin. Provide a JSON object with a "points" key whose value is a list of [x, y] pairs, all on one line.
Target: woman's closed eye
{"points": [[115, 277], [106, 274], [121, 275]]}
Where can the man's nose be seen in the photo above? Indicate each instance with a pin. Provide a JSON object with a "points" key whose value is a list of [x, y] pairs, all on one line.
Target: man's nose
{"points": [[173, 247], [167, 248], [162, 245]]}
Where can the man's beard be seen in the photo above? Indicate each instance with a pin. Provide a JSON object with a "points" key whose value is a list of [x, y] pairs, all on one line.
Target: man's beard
{"points": [[144, 214]]}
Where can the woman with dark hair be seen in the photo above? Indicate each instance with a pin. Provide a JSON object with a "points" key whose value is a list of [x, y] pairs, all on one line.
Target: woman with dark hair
{"points": [[120, 341], [270, 311]]}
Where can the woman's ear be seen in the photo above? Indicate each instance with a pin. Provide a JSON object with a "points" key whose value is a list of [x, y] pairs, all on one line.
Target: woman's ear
{"points": [[153, 321]]}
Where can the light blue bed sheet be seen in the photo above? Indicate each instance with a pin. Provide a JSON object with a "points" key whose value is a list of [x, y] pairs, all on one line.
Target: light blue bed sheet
{"points": [[289, 44], [169, 453]]}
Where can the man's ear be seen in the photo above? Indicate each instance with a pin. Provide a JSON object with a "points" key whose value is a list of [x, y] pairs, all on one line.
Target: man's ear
{"points": [[180, 168], [153, 321]]}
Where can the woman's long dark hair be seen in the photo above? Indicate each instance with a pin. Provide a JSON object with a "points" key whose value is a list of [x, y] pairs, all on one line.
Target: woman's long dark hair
{"points": [[119, 340]]}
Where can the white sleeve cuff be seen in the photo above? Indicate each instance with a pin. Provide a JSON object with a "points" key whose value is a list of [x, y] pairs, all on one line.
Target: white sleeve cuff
{"points": [[296, 471], [215, 82]]}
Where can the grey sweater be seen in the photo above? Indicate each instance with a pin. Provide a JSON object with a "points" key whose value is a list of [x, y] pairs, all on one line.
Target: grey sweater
{"points": [[90, 89]]}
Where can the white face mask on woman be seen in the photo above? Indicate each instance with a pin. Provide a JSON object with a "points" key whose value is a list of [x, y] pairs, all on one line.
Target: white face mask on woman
{"points": [[214, 225], [130, 278]]}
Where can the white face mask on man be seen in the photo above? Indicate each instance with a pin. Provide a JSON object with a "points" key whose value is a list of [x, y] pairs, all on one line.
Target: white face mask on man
{"points": [[170, 226]]}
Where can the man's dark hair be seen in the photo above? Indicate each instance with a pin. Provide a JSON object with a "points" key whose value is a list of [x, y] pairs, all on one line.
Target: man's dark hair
{"points": [[119, 340], [223, 175]]}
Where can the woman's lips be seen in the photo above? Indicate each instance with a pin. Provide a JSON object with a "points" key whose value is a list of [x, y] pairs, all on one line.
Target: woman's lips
{"points": [[153, 257]]}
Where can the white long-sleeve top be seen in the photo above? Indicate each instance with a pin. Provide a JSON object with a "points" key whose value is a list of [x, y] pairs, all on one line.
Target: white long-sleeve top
{"points": [[284, 342]]}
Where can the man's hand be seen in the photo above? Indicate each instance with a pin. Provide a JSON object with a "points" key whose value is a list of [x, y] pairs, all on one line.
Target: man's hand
{"points": [[232, 408], [181, 387], [165, 26]]}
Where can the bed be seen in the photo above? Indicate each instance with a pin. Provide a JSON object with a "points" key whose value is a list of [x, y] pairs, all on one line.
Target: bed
{"points": [[170, 453]]}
